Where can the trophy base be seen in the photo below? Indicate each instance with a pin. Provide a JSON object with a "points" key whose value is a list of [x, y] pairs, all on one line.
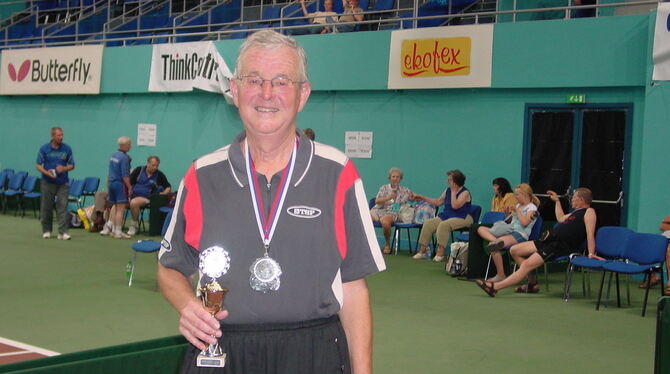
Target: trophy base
{"points": [[211, 362]]}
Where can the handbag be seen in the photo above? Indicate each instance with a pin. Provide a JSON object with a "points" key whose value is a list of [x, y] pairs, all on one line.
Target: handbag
{"points": [[501, 228]]}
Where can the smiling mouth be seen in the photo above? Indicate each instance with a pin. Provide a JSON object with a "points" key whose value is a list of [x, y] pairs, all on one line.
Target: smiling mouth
{"points": [[266, 110]]}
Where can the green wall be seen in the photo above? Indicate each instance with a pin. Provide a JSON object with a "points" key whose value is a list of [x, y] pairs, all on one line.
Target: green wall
{"points": [[425, 132]]}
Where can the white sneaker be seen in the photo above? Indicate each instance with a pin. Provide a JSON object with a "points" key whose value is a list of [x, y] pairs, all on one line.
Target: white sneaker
{"points": [[46, 235], [132, 230], [65, 236], [419, 256], [438, 258], [105, 231], [120, 235]]}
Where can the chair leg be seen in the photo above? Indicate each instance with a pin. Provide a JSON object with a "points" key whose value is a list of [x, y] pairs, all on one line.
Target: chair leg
{"points": [[618, 292], [600, 292], [646, 293], [488, 266], [396, 240], [409, 240], [132, 269], [546, 276], [568, 281]]}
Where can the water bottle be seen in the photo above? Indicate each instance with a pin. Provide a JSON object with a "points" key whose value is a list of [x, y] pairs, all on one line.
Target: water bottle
{"points": [[129, 269]]}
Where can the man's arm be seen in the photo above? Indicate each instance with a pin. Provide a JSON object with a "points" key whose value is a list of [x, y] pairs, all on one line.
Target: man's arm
{"points": [[558, 208], [134, 175], [590, 223], [356, 317], [195, 323], [665, 225]]}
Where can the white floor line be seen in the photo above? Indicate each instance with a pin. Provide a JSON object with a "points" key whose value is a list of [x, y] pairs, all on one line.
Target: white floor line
{"points": [[16, 353], [29, 347]]}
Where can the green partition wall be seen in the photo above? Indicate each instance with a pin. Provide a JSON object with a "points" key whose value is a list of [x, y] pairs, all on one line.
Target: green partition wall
{"points": [[425, 132]]}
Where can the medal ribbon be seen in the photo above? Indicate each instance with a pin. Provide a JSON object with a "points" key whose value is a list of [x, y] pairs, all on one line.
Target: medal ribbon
{"points": [[267, 225]]}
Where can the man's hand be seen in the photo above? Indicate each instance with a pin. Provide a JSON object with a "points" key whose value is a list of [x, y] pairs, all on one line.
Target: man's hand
{"points": [[591, 255], [198, 326], [553, 195]]}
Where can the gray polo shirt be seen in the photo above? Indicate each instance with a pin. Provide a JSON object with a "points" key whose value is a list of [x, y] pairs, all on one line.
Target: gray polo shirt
{"points": [[324, 236]]}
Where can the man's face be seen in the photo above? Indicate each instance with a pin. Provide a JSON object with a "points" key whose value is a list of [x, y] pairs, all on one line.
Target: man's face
{"points": [[57, 137], [152, 166], [267, 110], [328, 5], [576, 200], [125, 147]]}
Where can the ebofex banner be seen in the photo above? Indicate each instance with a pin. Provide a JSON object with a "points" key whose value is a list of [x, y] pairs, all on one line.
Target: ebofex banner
{"points": [[57, 70], [185, 66], [441, 57]]}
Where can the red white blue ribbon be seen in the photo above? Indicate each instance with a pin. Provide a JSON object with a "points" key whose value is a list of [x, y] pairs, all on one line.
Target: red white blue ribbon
{"points": [[268, 223]]}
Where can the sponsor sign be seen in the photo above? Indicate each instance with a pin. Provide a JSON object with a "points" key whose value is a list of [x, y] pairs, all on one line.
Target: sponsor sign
{"points": [[185, 66], [57, 70], [441, 57], [661, 54]]}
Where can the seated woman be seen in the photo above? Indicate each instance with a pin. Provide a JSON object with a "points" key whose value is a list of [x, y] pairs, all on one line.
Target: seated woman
{"points": [[387, 204], [503, 197], [523, 217], [352, 13], [455, 215]]}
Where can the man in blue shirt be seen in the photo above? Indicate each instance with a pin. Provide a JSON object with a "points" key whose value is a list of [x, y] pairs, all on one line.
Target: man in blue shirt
{"points": [[119, 188], [54, 160]]}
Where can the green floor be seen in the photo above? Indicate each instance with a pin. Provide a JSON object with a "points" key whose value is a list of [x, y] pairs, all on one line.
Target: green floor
{"points": [[68, 296]]}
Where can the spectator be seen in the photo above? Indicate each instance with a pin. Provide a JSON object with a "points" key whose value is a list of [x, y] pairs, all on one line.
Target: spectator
{"points": [[503, 197], [455, 215], [119, 188], [323, 20], [54, 161], [574, 228], [389, 200], [352, 13], [654, 279], [309, 133], [146, 181], [522, 216]]}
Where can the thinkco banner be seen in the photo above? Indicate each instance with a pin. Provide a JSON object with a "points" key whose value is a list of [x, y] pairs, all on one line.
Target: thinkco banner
{"points": [[441, 57], [185, 66], [58, 70]]}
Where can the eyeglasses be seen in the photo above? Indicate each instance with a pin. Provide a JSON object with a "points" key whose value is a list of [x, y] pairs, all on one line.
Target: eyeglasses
{"points": [[254, 81]]}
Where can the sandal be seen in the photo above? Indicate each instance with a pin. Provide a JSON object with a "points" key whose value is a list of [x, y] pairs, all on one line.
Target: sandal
{"points": [[387, 250], [488, 287], [649, 284], [528, 288]]}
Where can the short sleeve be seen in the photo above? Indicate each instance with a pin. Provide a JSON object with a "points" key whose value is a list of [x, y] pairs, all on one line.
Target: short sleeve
{"points": [[175, 253]]}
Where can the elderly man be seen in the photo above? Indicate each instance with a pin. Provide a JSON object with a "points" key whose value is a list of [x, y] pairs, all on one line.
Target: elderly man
{"points": [[574, 228], [274, 197], [146, 181], [54, 160], [119, 188]]}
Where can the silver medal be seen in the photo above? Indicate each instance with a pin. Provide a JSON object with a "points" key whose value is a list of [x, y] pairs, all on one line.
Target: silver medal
{"points": [[214, 262], [265, 274]]}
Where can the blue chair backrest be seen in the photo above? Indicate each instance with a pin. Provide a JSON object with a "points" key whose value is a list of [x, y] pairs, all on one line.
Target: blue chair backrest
{"points": [[537, 229], [29, 183], [91, 185], [16, 180], [166, 223], [646, 249], [491, 216], [3, 179], [271, 12], [384, 4], [363, 4], [76, 187], [611, 241], [475, 212]]}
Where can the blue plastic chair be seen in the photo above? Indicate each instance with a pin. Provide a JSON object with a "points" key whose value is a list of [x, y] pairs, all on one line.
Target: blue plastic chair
{"points": [[147, 246], [76, 190], [91, 185], [32, 195], [475, 212], [611, 242], [27, 185], [643, 254], [13, 188], [488, 218], [534, 235]]}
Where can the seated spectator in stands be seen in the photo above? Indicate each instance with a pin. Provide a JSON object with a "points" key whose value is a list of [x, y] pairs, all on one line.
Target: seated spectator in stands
{"points": [[388, 202], [455, 215], [146, 181], [563, 239], [503, 197], [119, 188], [583, 13], [654, 279], [352, 13], [309, 133], [503, 234], [324, 19]]}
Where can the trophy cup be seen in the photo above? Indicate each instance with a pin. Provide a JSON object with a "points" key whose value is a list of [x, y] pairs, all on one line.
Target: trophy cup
{"points": [[214, 262]]}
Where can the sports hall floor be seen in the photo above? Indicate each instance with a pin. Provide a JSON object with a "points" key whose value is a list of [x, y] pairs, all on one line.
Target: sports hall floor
{"points": [[67, 296]]}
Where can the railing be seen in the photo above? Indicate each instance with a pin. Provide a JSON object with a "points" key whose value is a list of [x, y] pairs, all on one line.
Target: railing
{"points": [[225, 30]]}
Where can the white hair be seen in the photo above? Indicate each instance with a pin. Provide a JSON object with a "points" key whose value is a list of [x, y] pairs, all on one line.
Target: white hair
{"points": [[123, 140], [270, 39]]}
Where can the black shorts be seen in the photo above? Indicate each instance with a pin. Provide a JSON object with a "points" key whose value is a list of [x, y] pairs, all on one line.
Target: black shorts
{"points": [[550, 249], [309, 347]]}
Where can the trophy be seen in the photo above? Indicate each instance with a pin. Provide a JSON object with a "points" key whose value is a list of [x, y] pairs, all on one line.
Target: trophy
{"points": [[214, 262]]}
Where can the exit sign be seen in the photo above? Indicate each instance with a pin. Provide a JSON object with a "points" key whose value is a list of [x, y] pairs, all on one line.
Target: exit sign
{"points": [[576, 99]]}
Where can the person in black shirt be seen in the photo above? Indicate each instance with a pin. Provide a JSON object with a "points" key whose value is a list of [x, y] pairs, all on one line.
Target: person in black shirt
{"points": [[574, 228], [146, 181]]}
